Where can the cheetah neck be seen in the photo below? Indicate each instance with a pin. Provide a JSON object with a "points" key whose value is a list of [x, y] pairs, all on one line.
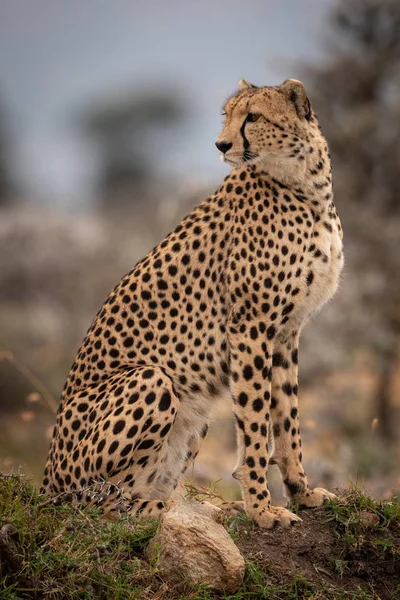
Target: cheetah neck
{"points": [[308, 174], [317, 183]]}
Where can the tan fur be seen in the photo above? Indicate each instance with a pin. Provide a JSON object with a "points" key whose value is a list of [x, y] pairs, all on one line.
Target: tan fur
{"points": [[214, 309]]}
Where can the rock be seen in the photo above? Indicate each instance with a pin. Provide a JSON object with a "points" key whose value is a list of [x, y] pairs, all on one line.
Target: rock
{"points": [[192, 546], [368, 520]]}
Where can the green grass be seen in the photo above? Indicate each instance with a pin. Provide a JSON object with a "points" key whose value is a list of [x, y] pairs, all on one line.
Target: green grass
{"points": [[256, 587], [81, 554], [353, 506], [52, 552]]}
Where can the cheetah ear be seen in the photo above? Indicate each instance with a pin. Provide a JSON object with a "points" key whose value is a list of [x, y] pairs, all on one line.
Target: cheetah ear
{"points": [[245, 85], [295, 92]]}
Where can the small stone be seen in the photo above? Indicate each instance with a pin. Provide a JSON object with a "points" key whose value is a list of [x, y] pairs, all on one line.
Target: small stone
{"points": [[368, 520], [192, 547]]}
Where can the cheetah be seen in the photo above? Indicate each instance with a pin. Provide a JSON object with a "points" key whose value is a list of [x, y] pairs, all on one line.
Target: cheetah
{"points": [[217, 307]]}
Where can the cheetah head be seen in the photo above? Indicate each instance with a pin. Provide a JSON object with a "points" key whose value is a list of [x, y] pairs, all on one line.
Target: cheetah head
{"points": [[269, 127]]}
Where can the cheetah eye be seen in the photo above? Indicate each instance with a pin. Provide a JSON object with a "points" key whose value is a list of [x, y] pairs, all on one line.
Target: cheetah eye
{"points": [[253, 117]]}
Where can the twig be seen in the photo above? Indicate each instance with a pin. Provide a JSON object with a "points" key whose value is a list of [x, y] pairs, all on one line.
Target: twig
{"points": [[11, 475], [320, 569], [46, 395], [195, 491]]}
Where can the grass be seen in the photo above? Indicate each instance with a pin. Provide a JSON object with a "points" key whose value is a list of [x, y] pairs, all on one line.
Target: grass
{"points": [[81, 554], [49, 551], [354, 505], [354, 516]]}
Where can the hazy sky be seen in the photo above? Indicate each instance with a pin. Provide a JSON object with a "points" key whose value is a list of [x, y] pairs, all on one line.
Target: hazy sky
{"points": [[58, 55]]}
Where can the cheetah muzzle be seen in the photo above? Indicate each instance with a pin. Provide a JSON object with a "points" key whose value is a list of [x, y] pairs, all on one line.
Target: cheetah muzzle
{"points": [[216, 307]]}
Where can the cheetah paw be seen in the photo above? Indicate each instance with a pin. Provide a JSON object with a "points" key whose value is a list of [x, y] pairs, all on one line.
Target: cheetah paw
{"points": [[232, 509], [313, 498], [274, 516]]}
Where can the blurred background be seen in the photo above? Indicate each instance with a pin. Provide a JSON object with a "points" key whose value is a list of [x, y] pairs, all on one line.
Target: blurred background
{"points": [[108, 116]]}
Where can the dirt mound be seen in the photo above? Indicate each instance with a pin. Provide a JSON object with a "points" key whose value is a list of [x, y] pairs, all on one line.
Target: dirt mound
{"points": [[349, 550]]}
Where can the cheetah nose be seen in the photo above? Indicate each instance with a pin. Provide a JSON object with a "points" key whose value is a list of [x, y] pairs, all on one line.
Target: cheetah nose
{"points": [[223, 146]]}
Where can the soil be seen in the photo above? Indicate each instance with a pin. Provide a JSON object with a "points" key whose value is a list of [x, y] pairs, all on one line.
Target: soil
{"points": [[323, 555]]}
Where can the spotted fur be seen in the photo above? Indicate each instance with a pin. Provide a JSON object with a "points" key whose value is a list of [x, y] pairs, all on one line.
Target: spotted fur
{"points": [[217, 307]]}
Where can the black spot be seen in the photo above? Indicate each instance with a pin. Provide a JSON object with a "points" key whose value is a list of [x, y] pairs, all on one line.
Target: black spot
{"points": [[268, 283], [119, 426], [258, 404], [126, 449], [132, 432], [162, 285], [138, 414], [113, 446], [293, 488], [165, 430], [259, 363], [134, 398], [149, 399], [278, 360], [295, 356], [165, 401], [287, 388], [265, 307], [146, 444], [288, 308], [243, 399], [247, 372]]}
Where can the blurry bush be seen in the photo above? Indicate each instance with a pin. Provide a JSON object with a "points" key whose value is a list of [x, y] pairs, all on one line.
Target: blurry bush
{"points": [[121, 130], [357, 95], [56, 268], [7, 189]]}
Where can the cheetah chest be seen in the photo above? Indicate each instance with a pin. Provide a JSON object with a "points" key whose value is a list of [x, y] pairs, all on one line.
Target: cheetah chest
{"points": [[322, 267], [324, 262]]}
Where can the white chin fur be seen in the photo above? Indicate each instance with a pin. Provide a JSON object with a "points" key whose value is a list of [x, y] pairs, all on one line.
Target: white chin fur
{"points": [[230, 161]]}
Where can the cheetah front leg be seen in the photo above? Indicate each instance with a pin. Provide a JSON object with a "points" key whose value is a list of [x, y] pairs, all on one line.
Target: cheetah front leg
{"points": [[251, 362], [285, 425]]}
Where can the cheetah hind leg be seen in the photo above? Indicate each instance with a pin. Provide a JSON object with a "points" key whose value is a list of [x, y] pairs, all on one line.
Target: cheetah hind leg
{"points": [[139, 508], [150, 509], [114, 503], [313, 498]]}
